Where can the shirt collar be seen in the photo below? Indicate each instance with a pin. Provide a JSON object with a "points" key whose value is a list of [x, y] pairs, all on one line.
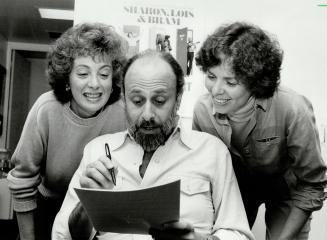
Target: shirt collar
{"points": [[118, 139], [262, 103], [184, 135]]}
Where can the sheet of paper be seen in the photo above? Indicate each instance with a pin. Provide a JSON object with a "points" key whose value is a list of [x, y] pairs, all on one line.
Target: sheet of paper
{"points": [[131, 211]]}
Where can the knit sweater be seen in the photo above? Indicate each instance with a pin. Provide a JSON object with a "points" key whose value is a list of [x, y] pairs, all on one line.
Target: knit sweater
{"points": [[51, 147]]}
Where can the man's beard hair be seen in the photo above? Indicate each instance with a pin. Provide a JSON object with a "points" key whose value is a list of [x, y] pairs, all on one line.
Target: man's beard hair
{"points": [[150, 142]]}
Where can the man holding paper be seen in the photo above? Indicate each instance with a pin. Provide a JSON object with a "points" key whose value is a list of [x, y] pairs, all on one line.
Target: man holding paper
{"points": [[155, 150]]}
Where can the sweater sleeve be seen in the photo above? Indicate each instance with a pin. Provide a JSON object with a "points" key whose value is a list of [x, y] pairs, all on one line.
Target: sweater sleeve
{"points": [[308, 165], [27, 158]]}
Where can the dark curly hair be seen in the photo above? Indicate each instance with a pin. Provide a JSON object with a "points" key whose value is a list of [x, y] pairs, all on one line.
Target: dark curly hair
{"points": [[87, 39], [167, 57], [255, 57]]}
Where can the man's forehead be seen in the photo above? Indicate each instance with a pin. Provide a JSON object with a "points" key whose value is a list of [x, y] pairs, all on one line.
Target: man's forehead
{"points": [[157, 85], [150, 73]]}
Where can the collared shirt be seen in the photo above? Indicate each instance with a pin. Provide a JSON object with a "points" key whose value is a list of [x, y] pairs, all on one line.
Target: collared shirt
{"points": [[210, 199], [281, 141]]}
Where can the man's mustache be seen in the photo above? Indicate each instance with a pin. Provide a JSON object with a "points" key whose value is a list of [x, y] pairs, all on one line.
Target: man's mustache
{"points": [[149, 124]]}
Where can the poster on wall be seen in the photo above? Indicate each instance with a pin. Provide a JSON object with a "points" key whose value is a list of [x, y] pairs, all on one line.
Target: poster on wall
{"points": [[163, 26], [160, 25], [132, 35]]}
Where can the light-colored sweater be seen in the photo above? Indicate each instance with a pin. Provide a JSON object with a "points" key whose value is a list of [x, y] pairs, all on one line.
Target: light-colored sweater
{"points": [[51, 148]]}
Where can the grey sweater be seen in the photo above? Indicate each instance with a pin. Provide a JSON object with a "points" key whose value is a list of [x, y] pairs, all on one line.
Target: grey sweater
{"points": [[51, 147]]}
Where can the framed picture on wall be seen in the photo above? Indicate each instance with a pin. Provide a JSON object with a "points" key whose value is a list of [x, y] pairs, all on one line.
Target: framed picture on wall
{"points": [[132, 35]]}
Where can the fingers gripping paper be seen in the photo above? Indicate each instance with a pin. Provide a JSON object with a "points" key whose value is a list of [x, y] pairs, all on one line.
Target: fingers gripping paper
{"points": [[131, 211]]}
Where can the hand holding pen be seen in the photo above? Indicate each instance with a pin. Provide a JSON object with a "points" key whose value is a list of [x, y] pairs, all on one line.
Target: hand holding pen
{"points": [[100, 174], [111, 170]]}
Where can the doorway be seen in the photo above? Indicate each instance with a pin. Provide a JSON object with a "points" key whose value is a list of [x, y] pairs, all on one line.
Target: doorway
{"points": [[28, 81]]}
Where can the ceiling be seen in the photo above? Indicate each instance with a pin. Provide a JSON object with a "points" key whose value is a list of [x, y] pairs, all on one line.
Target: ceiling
{"points": [[20, 20]]}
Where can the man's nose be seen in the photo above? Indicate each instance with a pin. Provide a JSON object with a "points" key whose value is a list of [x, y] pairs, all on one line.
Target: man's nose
{"points": [[148, 112]]}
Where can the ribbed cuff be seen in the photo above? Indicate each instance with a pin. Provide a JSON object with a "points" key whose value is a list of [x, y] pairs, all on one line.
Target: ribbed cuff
{"points": [[24, 206], [309, 201]]}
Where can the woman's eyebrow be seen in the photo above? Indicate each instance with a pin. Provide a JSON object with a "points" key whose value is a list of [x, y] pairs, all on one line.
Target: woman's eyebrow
{"points": [[106, 66], [82, 66], [211, 72]]}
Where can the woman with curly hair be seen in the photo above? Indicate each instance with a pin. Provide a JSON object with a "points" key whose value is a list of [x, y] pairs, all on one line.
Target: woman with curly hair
{"points": [[269, 129], [84, 73]]}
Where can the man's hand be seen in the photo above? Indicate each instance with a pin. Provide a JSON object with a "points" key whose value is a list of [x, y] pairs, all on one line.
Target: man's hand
{"points": [[97, 175], [79, 224], [178, 231]]}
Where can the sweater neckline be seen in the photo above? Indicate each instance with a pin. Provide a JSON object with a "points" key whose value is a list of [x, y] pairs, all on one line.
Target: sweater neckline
{"points": [[82, 121], [244, 113]]}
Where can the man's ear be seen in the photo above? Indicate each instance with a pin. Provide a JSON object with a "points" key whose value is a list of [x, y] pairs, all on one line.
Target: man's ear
{"points": [[178, 100]]}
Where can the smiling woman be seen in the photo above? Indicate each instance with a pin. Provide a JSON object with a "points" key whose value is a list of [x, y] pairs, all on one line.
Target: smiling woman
{"points": [[84, 73], [263, 125], [91, 85]]}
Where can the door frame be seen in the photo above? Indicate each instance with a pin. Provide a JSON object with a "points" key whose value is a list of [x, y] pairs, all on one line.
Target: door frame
{"points": [[13, 46]]}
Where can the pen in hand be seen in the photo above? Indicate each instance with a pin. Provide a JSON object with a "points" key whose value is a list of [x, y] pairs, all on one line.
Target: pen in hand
{"points": [[111, 170]]}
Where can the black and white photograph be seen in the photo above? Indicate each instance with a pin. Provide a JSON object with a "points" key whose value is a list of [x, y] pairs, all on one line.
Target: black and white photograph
{"points": [[163, 120]]}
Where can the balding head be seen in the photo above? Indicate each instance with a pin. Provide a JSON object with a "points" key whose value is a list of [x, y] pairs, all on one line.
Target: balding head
{"points": [[152, 95]]}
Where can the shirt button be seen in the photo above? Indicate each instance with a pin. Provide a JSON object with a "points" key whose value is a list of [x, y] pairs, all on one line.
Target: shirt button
{"points": [[157, 160], [247, 151]]}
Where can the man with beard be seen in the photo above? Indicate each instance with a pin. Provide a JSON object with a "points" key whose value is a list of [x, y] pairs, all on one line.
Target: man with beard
{"points": [[155, 150]]}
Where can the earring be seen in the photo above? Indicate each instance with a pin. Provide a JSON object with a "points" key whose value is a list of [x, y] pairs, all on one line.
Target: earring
{"points": [[67, 87]]}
